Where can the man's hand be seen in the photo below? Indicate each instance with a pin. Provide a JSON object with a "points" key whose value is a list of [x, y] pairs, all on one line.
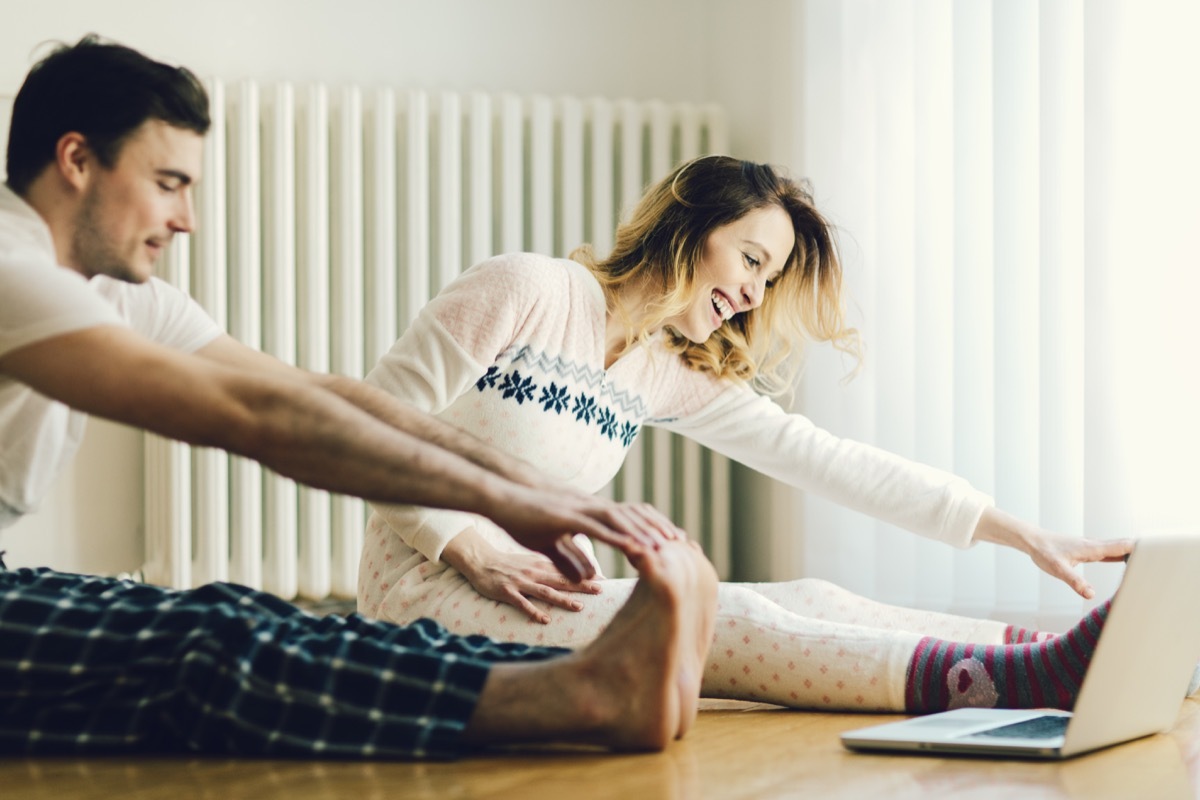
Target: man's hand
{"points": [[543, 521]]}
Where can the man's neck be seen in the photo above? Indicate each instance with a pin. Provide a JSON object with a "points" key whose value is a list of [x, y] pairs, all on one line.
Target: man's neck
{"points": [[57, 210]]}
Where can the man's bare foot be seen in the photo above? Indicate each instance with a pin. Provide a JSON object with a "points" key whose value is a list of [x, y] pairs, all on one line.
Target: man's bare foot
{"points": [[699, 623], [705, 619], [676, 577], [636, 687]]}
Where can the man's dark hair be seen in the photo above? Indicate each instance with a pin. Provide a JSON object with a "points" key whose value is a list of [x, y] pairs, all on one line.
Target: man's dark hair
{"points": [[103, 91]]}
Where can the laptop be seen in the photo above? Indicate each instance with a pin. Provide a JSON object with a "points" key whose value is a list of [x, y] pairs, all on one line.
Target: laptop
{"points": [[1134, 685]]}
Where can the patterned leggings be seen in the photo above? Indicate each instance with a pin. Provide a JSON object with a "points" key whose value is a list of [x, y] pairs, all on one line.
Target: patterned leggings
{"points": [[101, 665], [805, 643]]}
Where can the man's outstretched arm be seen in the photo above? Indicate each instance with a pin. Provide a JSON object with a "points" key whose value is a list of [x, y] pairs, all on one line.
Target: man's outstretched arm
{"points": [[305, 432], [642, 519], [381, 405]]}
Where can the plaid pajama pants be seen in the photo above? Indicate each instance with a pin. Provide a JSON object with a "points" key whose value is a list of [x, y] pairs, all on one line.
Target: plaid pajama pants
{"points": [[91, 665]]}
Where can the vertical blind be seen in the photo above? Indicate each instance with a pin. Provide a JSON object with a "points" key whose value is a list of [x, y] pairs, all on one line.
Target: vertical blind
{"points": [[1014, 187]]}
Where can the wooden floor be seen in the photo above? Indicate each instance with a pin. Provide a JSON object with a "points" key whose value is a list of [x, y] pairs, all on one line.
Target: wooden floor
{"points": [[736, 750]]}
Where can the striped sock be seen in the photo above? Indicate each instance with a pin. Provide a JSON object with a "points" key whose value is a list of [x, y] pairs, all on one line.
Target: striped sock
{"points": [[1014, 634], [944, 675]]}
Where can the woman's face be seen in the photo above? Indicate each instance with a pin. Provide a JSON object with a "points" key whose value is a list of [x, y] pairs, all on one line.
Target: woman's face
{"points": [[739, 262]]}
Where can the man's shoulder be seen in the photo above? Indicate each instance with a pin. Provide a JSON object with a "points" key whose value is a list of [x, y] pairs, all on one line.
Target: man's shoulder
{"points": [[160, 311], [40, 300], [24, 235]]}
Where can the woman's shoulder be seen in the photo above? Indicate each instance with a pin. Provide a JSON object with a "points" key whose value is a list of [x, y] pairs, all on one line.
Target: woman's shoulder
{"points": [[519, 285], [534, 272], [525, 264]]}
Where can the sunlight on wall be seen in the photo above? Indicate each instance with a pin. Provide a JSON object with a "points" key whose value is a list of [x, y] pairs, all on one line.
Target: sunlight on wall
{"points": [[1154, 268], [1015, 187]]}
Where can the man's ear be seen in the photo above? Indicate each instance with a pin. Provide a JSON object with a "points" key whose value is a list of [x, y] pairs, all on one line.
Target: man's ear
{"points": [[75, 160]]}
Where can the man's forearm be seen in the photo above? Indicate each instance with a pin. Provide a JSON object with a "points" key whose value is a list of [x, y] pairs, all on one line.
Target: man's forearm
{"points": [[326, 439], [404, 417], [380, 405], [275, 416], [343, 448]]}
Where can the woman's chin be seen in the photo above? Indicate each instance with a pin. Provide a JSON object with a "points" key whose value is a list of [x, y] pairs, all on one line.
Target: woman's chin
{"points": [[692, 335]]}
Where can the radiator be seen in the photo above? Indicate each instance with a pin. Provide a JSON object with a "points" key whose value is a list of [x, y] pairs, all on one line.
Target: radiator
{"points": [[327, 218]]}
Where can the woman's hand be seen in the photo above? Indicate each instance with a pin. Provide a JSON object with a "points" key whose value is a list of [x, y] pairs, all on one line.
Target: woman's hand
{"points": [[1058, 555], [514, 578], [1055, 554]]}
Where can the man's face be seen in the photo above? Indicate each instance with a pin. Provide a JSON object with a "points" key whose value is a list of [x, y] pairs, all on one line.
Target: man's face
{"points": [[129, 213]]}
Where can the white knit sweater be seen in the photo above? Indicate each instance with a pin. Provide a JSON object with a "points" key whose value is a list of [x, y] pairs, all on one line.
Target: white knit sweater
{"points": [[513, 352]]}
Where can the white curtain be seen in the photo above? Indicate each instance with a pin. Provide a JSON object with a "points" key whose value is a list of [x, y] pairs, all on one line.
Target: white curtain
{"points": [[1017, 189]]}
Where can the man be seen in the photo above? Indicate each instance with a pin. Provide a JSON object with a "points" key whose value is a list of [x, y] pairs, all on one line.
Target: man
{"points": [[104, 148]]}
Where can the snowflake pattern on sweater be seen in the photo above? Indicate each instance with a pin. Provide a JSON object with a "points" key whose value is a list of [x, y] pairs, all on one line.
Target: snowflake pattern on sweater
{"points": [[560, 399]]}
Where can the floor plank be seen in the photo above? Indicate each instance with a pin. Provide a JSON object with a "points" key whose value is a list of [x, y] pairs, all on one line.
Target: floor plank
{"points": [[736, 751]]}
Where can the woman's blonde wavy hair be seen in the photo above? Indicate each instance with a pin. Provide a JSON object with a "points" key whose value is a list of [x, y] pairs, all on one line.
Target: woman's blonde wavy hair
{"points": [[664, 240]]}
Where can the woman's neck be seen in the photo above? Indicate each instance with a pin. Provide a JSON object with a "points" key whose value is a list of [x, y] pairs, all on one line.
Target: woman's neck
{"points": [[626, 309]]}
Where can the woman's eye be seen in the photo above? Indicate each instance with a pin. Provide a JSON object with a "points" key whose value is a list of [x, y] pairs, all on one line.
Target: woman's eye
{"points": [[751, 261]]}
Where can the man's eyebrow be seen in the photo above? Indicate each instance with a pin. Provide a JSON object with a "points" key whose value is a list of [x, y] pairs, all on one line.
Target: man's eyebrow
{"points": [[182, 177]]}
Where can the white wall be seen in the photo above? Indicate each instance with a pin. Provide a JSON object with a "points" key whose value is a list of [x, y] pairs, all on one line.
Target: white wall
{"points": [[740, 54]]}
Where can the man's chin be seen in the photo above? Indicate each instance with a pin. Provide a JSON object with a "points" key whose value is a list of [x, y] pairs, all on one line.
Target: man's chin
{"points": [[127, 274]]}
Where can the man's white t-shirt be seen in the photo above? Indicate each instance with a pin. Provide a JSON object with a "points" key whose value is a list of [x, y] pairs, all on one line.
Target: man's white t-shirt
{"points": [[40, 299]]}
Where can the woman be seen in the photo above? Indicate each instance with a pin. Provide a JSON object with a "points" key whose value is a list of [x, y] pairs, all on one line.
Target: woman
{"points": [[724, 270]]}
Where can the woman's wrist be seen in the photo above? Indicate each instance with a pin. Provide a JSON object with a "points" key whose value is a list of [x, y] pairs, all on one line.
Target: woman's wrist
{"points": [[464, 551], [999, 527]]}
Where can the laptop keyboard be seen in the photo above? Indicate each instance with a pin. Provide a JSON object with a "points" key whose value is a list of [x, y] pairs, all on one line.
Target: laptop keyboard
{"points": [[1047, 727]]}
